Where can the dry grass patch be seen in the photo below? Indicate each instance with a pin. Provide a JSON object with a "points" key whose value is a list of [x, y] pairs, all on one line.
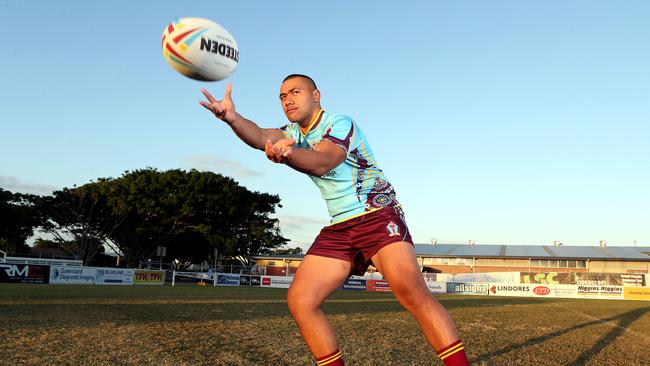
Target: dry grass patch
{"points": [[192, 325]]}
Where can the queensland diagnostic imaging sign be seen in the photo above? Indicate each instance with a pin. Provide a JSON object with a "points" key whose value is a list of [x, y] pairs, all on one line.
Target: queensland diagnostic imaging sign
{"points": [[72, 275]]}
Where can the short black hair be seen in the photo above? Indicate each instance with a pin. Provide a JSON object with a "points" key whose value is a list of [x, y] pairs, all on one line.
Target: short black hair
{"points": [[301, 76]]}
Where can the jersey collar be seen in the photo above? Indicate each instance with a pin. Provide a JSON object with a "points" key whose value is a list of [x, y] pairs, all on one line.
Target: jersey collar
{"points": [[313, 123]]}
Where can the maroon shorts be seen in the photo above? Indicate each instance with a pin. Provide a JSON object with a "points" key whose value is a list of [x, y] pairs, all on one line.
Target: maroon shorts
{"points": [[356, 240]]}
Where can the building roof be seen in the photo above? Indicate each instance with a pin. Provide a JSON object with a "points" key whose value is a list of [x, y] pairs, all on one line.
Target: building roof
{"points": [[533, 251], [516, 251]]}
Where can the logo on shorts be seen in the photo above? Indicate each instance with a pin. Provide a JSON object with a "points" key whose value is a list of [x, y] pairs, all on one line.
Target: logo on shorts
{"points": [[393, 229]]}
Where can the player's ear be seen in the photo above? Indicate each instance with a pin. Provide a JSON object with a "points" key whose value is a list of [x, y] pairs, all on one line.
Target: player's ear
{"points": [[316, 95]]}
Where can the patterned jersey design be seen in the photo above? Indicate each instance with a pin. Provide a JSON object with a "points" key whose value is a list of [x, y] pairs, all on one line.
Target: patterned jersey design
{"points": [[357, 185]]}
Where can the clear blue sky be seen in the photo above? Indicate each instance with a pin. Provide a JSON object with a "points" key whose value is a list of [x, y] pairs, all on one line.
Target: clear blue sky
{"points": [[504, 122]]}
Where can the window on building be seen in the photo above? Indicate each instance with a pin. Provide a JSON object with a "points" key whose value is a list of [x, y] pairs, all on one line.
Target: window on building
{"points": [[534, 262], [581, 264]]}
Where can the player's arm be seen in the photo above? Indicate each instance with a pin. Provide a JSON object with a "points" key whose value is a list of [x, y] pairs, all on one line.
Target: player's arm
{"points": [[325, 157], [247, 130]]}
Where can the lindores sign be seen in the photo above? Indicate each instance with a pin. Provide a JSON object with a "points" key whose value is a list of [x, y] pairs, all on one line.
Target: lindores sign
{"points": [[24, 273]]}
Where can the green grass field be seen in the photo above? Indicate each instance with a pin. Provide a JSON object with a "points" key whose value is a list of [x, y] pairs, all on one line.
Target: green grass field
{"points": [[193, 325]]}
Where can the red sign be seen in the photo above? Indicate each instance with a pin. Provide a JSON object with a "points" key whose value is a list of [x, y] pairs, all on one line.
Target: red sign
{"points": [[266, 281], [541, 290], [377, 286]]}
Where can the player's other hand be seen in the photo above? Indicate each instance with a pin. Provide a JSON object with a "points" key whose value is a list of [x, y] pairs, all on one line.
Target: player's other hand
{"points": [[280, 151], [224, 109]]}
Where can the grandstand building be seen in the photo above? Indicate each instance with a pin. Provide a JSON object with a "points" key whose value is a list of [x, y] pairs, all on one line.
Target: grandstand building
{"points": [[464, 258]]}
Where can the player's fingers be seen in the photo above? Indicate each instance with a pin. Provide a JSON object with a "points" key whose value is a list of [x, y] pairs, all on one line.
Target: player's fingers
{"points": [[213, 108], [206, 105], [228, 91], [278, 149], [208, 95], [287, 153], [268, 149]]}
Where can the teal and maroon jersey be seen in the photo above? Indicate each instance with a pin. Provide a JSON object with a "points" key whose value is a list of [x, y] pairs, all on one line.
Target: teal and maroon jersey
{"points": [[357, 185]]}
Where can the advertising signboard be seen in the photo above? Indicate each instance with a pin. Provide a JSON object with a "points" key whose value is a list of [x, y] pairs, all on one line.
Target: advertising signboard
{"points": [[256, 281], [276, 281], [550, 290], [436, 287], [510, 289], [354, 284], [467, 288], [377, 286], [228, 279], [610, 292], [114, 276], [636, 293], [633, 279], [24, 273], [248, 280], [72, 275], [145, 277]]}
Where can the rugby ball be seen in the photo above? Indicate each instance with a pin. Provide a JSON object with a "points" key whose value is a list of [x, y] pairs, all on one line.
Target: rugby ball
{"points": [[200, 49]]}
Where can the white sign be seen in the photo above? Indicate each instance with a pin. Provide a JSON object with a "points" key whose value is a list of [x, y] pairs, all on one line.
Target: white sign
{"points": [[276, 281], [436, 287], [72, 275], [510, 289], [114, 276]]}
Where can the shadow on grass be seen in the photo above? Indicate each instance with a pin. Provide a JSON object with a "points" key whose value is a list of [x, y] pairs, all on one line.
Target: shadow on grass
{"points": [[624, 320]]}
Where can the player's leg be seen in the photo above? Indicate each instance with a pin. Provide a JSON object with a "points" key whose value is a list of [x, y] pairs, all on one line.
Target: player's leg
{"points": [[316, 278], [397, 263]]}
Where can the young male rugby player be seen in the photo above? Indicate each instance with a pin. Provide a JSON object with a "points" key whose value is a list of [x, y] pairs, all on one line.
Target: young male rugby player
{"points": [[367, 227]]}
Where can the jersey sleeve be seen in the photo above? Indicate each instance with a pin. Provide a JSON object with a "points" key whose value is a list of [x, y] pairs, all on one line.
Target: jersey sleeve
{"points": [[341, 132]]}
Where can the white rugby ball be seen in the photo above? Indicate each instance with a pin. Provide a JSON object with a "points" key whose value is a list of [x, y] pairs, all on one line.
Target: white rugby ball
{"points": [[200, 49]]}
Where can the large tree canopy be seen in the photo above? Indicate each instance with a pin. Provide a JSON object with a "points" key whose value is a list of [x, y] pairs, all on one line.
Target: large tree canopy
{"points": [[17, 221], [191, 213]]}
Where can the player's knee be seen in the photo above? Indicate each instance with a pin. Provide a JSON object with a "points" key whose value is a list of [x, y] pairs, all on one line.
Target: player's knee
{"points": [[411, 296], [299, 301]]}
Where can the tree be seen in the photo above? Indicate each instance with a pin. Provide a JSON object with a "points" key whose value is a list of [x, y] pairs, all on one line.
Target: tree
{"points": [[287, 251], [191, 213], [18, 219], [79, 219]]}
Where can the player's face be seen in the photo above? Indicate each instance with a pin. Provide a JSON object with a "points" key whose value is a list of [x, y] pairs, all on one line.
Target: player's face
{"points": [[299, 100]]}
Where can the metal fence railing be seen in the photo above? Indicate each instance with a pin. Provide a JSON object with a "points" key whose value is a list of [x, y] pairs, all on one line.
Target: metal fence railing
{"points": [[204, 267], [45, 261]]}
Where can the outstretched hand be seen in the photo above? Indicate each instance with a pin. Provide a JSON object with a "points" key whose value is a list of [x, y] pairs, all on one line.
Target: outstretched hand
{"points": [[280, 151], [224, 109]]}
